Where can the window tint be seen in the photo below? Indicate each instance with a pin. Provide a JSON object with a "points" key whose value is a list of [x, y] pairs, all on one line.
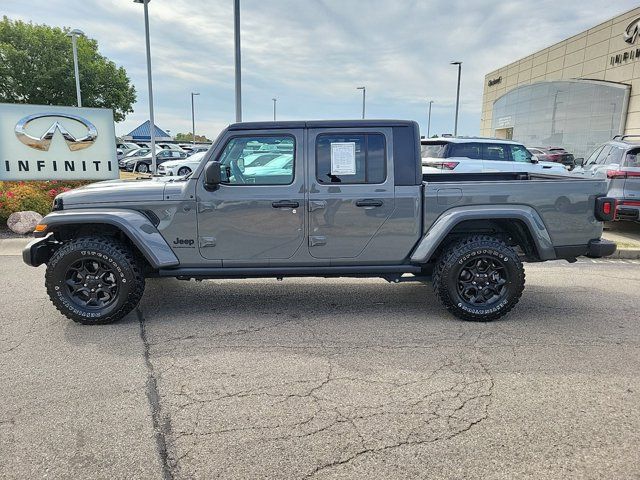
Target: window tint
{"points": [[520, 154], [358, 158], [468, 150], [238, 156], [433, 149], [494, 151]]}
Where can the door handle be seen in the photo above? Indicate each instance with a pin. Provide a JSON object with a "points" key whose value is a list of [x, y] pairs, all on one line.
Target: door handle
{"points": [[369, 203], [285, 204]]}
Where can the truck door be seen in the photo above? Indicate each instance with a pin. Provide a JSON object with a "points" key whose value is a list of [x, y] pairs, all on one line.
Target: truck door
{"points": [[351, 190], [257, 213]]}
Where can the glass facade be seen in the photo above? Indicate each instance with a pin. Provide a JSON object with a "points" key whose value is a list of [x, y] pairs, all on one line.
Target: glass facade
{"points": [[574, 114]]}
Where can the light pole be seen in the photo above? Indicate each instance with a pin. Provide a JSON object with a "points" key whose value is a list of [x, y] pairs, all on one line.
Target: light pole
{"points": [[236, 31], [193, 120], [455, 128], [152, 127], [74, 34], [429, 121], [364, 96], [274, 108]]}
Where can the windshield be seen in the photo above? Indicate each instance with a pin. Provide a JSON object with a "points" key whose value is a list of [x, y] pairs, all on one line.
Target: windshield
{"points": [[433, 149]]}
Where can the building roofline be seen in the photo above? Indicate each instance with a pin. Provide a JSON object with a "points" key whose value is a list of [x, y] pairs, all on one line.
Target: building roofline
{"points": [[549, 47]]}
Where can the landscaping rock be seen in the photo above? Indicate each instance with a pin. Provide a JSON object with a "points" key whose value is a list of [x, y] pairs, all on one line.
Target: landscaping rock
{"points": [[23, 222]]}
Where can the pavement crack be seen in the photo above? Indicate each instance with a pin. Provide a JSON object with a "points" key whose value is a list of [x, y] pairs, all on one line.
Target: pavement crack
{"points": [[161, 426]]}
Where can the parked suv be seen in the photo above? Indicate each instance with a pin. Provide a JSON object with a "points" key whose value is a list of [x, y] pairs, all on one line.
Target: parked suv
{"points": [[619, 161], [476, 154]]}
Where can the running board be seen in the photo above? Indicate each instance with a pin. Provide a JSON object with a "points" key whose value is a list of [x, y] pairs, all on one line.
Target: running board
{"points": [[279, 272]]}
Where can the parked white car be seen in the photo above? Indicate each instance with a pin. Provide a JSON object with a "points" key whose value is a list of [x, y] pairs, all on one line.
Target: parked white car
{"points": [[476, 155], [184, 166]]}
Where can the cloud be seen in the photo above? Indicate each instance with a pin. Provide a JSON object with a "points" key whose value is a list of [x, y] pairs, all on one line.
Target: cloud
{"points": [[312, 54]]}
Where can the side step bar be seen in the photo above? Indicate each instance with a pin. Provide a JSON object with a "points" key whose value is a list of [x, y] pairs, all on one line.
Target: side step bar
{"points": [[278, 272]]}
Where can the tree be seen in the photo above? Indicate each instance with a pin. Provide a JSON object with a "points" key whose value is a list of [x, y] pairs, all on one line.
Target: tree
{"points": [[36, 66], [188, 137]]}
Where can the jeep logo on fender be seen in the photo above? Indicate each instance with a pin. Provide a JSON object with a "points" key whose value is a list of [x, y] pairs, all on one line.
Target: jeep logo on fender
{"points": [[44, 141], [184, 242]]}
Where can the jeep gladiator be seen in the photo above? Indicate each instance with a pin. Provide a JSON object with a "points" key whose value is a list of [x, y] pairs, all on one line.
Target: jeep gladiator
{"points": [[316, 198]]}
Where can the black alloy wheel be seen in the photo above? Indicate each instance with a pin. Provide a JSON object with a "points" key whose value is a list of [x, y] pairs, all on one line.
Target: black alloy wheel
{"points": [[482, 281], [479, 278], [91, 283], [95, 279]]}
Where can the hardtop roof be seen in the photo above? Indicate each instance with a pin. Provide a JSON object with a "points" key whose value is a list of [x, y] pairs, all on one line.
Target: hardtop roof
{"points": [[320, 124]]}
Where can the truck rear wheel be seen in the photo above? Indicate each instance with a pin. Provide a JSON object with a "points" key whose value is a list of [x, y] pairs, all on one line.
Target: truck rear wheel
{"points": [[94, 280], [479, 278]]}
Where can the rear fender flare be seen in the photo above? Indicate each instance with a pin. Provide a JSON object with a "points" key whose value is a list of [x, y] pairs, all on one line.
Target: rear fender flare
{"points": [[136, 226], [449, 219]]}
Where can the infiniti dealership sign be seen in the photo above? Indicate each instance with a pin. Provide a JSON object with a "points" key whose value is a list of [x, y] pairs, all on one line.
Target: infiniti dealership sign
{"points": [[40, 142]]}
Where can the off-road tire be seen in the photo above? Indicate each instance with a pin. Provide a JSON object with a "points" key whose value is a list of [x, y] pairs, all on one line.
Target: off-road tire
{"points": [[453, 261], [109, 251]]}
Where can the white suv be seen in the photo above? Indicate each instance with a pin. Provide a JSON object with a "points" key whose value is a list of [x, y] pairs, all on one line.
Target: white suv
{"points": [[475, 154]]}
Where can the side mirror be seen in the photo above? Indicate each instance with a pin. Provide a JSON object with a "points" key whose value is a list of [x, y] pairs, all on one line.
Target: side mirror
{"points": [[534, 159], [213, 175], [579, 162]]}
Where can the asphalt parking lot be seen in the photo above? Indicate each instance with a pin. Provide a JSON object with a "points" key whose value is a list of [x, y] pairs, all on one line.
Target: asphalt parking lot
{"points": [[320, 378]]}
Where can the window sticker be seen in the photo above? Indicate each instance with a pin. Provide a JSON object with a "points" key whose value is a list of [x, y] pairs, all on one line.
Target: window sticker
{"points": [[343, 158]]}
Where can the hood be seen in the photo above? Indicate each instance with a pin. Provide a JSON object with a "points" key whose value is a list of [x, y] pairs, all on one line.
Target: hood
{"points": [[113, 191]]}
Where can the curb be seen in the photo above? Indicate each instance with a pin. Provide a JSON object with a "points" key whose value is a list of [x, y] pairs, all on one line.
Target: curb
{"points": [[627, 253]]}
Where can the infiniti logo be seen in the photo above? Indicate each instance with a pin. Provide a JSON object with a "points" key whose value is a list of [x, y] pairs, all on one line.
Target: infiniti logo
{"points": [[631, 32], [44, 142]]}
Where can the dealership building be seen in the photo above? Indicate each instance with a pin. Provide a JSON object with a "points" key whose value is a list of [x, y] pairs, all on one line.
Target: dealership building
{"points": [[575, 94]]}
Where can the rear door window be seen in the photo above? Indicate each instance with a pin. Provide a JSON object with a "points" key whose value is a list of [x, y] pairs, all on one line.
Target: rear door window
{"points": [[433, 149], [520, 154], [495, 152], [465, 150], [351, 158], [615, 156]]}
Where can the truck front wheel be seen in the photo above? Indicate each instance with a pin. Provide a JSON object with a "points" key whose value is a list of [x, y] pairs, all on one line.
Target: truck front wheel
{"points": [[94, 280], [479, 278]]}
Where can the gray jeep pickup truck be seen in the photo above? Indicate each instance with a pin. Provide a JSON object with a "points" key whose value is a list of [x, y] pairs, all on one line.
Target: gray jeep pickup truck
{"points": [[317, 198]]}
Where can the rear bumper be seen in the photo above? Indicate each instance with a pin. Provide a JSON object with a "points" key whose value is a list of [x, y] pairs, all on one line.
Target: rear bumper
{"points": [[628, 212], [38, 251], [597, 248]]}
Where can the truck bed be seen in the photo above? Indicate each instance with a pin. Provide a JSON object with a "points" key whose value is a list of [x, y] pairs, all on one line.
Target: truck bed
{"points": [[565, 204]]}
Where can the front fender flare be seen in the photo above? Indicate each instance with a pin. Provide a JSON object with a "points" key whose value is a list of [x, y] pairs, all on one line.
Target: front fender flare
{"points": [[137, 227], [449, 219]]}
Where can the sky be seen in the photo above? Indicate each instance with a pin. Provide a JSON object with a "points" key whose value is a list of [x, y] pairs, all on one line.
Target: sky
{"points": [[312, 54]]}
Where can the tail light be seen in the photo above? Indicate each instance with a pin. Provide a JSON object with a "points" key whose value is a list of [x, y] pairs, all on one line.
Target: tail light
{"points": [[605, 209], [622, 174], [443, 165]]}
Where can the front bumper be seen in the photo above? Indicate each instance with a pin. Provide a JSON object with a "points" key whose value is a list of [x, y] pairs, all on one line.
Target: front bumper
{"points": [[39, 250]]}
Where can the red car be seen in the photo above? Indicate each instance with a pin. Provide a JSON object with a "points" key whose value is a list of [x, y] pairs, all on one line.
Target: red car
{"points": [[553, 154]]}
